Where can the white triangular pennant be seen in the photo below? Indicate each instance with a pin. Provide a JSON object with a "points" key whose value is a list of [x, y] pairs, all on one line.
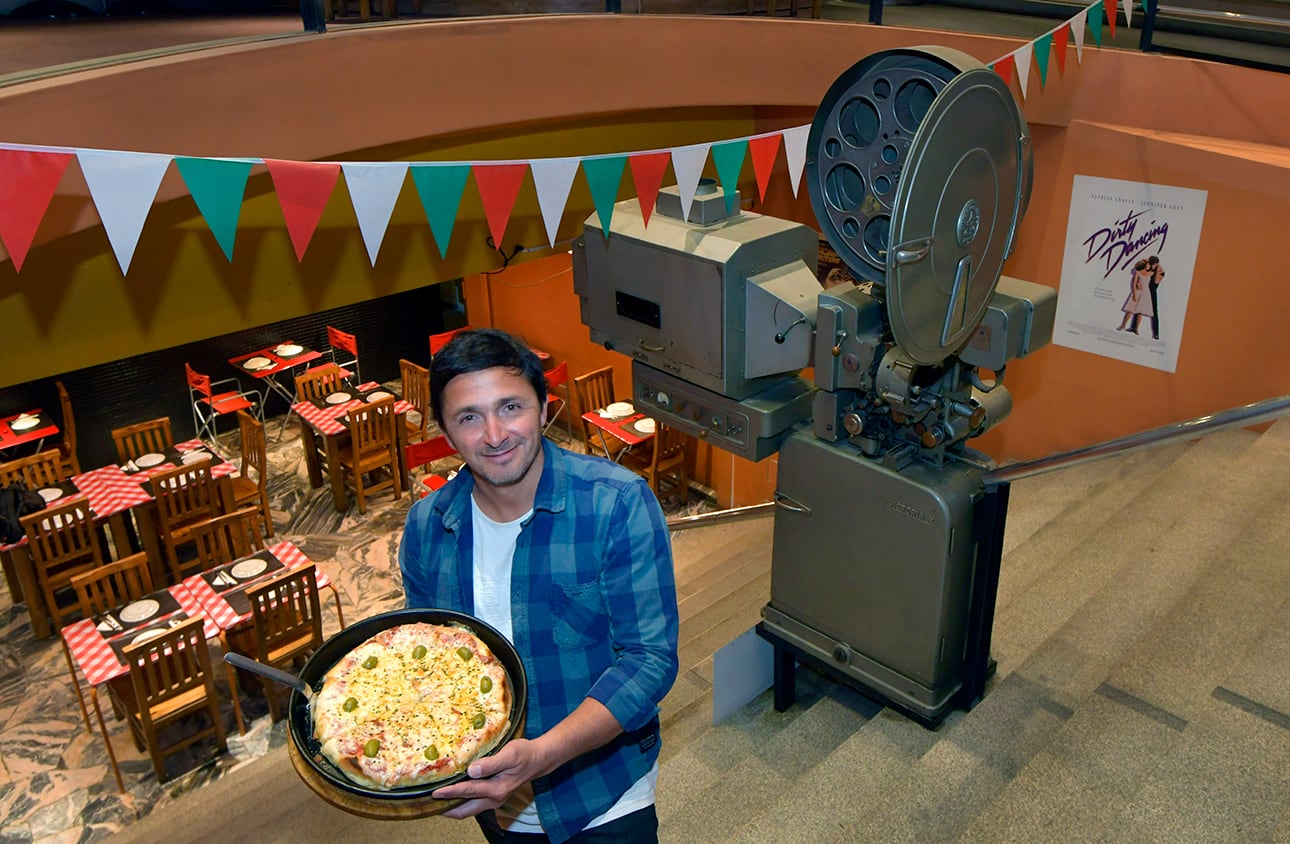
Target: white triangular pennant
{"points": [[687, 163], [1128, 13], [1022, 60], [795, 153], [1077, 29], [553, 177], [373, 189], [123, 186]]}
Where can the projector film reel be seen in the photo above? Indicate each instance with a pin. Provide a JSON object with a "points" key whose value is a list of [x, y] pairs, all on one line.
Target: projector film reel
{"points": [[919, 170]]}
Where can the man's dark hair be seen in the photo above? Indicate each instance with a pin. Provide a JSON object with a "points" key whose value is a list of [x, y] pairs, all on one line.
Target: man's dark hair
{"points": [[482, 348], [1153, 260]]}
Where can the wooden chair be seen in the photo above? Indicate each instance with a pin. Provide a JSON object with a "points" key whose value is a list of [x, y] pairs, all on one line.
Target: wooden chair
{"points": [[319, 383], [38, 470], [595, 391], [67, 448], [186, 496], [438, 341], [210, 401], [63, 543], [557, 379], [151, 437], [170, 678], [286, 626], [250, 485], [344, 352], [416, 392], [666, 459], [224, 539], [419, 454], [371, 447]]}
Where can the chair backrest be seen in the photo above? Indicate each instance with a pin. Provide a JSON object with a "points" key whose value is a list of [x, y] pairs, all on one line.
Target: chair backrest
{"points": [[285, 612], [595, 391], [427, 451], [558, 375], [169, 666], [668, 444], [185, 494], [416, 390], [438, 341], [198, 383], [69, 422], [62, 536], [151, 437], [113, 584], [255, 449], [344, 349], [225, 538], [371, 427], [318, 383], [35, 470]]}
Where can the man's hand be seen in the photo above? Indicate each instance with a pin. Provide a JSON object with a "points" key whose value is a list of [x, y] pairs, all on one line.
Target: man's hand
{"points": [[493, 778]]}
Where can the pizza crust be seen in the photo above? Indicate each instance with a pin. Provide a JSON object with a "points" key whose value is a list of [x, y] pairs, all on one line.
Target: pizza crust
{"points": [[413, 704]]}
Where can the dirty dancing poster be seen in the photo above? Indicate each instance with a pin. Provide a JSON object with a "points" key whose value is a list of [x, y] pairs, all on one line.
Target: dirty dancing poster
{"points": [[1127, 271]]}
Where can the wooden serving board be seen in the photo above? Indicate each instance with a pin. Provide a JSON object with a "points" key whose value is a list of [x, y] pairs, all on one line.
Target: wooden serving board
{"points": [[365, 807]]}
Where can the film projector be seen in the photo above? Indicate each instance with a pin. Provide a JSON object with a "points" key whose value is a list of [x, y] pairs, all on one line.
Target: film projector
{"points": [[886, 538]]}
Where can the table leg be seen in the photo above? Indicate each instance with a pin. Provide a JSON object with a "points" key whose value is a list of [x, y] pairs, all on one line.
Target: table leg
{"points": [[94, 698], [76, 684], [309, 440], [401, 442], [334, 473], [150, 538], [26, 570], [232, 686]]}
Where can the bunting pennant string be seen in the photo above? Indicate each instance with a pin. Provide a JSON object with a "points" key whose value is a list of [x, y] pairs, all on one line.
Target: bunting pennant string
{"points": [[303, 188], [1055, 39], [553, 177], [440, 187], [647, 172], [27, 182], [764, 151], [499, 187], [217, 186], [373, 190]]}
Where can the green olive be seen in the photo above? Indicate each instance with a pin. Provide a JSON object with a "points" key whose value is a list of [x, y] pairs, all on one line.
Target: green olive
{"points": [[350, 704], [372, 747], [369, 663], [485, 685], [419, 652], [478, 722], [432, 753], [464, 653]]}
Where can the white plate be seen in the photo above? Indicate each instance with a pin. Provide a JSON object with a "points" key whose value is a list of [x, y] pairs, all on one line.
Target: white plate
{"points": [[289, 349], [248, 568], [139, 610], [148, 634], [378, 395], [645, 426], [52, 493], [196, 457], [621, 408], [257, 363], [338, 398], [22, 423], [152, 458]]}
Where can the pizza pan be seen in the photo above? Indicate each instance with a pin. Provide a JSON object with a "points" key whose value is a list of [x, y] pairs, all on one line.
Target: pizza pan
{"points": [[319, 771]]}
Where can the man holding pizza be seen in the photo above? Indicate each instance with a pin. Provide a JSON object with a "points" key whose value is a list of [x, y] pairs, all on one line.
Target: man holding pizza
{"points": [[569, 556]]}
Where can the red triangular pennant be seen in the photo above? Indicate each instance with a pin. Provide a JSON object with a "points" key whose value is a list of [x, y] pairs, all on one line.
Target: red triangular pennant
{"points": [[1004, 68], [763, 152], [27, 183], [303, 188], [647, 172], [499, 185], [1059, 44], [1111, 11]]}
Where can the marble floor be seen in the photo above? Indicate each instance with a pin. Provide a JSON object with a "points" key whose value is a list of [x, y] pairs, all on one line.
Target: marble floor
{"points": [[56, 784]]}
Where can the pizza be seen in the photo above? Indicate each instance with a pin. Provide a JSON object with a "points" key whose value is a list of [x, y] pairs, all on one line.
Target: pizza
{"points": [[412, 705]]}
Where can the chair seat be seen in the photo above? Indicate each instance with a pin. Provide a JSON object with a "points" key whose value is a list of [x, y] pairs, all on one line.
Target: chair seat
{"points": [[230, 402]]}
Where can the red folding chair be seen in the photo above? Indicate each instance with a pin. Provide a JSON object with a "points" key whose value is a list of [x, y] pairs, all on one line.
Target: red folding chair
{"points": [[344, 352], [557, 376], [423, 453], [438, 341], [209, 405]]}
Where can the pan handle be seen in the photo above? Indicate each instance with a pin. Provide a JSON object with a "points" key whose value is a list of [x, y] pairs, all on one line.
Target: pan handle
{"points": [[274, 674]]}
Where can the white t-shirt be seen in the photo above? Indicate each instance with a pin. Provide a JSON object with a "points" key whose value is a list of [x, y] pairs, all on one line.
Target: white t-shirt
{"points": [[494, 549]]}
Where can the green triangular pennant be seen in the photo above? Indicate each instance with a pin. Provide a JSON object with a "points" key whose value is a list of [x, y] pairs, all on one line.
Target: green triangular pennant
{"points": [[217, 186], [440, 187], [1043, 49], [729, 158], [604, 175], [1095, 22]]}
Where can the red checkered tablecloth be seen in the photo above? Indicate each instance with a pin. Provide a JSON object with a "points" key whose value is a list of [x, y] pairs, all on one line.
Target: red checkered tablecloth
{"points": [[220, 611], [329, 418], [92, 651], [111, 490]]}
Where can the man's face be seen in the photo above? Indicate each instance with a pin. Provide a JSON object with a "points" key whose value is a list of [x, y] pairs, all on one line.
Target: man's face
{"points": [[493, 417]]}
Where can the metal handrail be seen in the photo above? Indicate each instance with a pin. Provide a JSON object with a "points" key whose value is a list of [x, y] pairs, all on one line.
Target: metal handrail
{"points": [[733, 514], [1237, 417]]}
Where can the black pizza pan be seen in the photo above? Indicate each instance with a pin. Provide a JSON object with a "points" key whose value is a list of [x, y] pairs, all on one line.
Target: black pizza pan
{"points": [[335, 648]]}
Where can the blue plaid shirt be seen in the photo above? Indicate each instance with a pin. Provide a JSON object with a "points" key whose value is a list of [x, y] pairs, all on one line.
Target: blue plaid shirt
{"points": [[593, 606]]}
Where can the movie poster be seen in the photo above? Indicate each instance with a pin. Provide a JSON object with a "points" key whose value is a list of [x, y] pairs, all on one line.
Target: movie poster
{"points": [[1127, 270]]}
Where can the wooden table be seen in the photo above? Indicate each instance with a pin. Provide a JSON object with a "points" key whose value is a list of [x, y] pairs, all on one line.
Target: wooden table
{"points": [[323, 428], [623, 428]]}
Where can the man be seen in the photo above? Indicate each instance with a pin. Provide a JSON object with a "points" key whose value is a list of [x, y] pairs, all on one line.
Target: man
{"points": [[569, 557]]}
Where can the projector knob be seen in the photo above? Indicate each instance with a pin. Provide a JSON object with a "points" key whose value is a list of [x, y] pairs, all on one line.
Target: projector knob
{"points": [[663, 399]]}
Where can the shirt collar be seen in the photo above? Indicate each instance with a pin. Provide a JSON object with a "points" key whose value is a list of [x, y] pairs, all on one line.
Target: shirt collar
{"points": [[452, 503]]}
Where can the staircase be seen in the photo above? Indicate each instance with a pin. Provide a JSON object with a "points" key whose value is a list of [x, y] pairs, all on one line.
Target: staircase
{"points": [[1142, 692]]}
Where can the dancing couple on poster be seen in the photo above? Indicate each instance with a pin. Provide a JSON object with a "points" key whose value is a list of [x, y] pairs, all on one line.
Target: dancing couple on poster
{"points": [[1144, 283]]}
